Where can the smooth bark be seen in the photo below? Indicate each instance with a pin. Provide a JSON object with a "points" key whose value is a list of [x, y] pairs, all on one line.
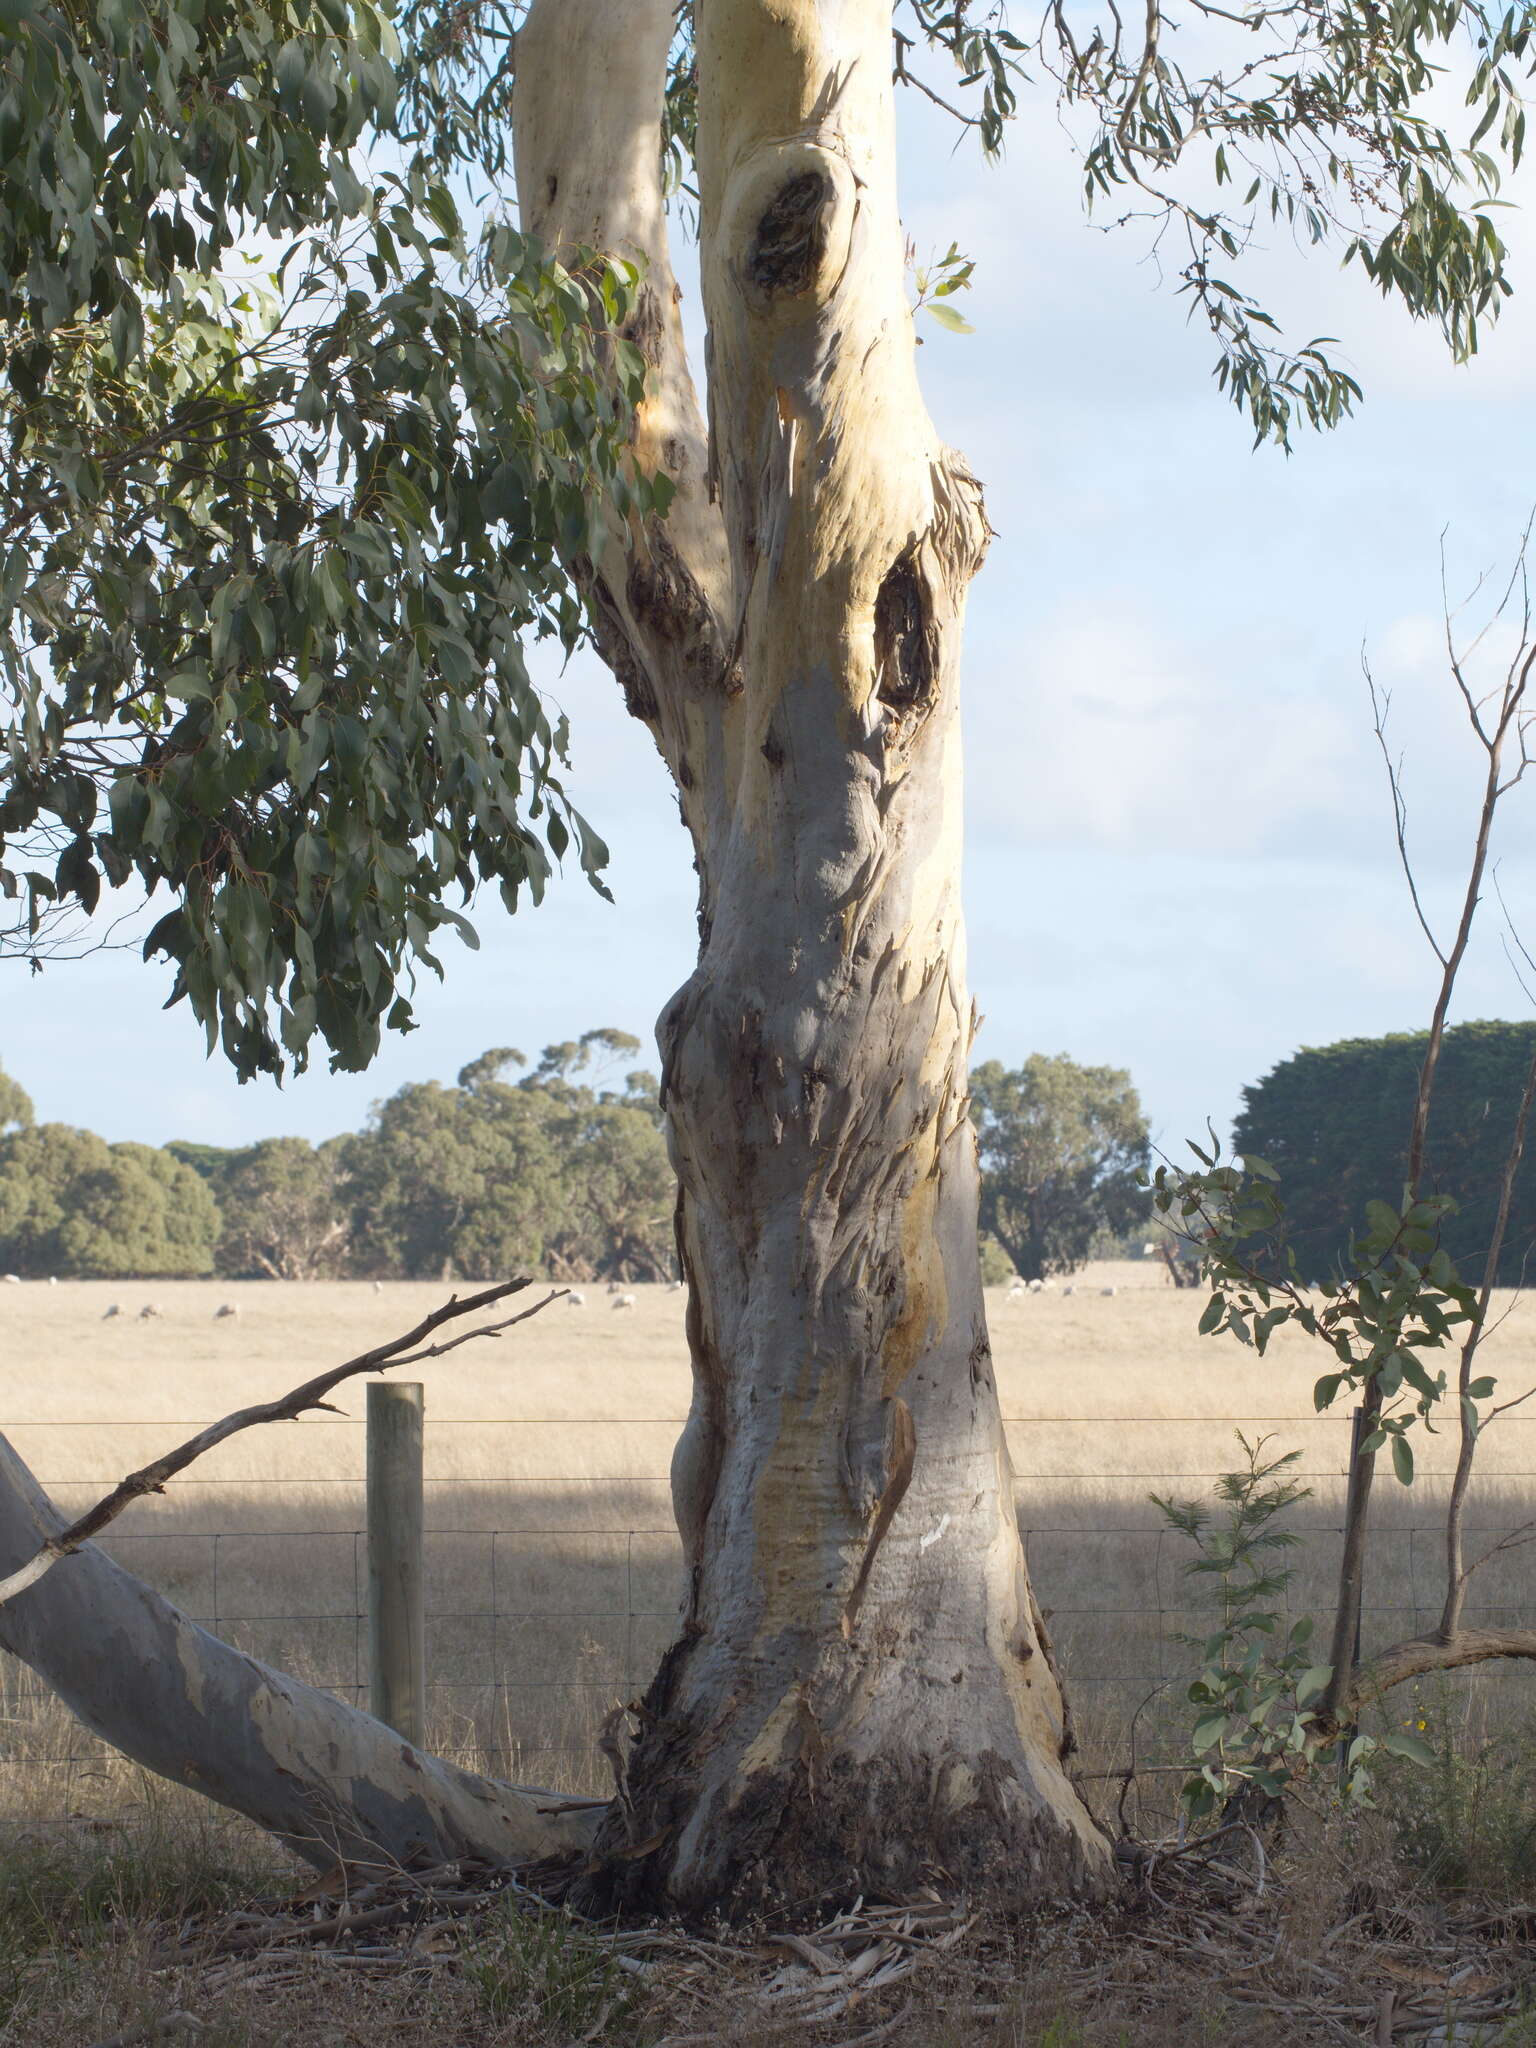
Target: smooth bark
{"points": [[862, 1695], [326, 1779]]}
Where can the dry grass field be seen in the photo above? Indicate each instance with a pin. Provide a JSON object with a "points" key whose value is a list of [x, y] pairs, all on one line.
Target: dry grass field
{"points": [[551, 1588], [551, 1556]]}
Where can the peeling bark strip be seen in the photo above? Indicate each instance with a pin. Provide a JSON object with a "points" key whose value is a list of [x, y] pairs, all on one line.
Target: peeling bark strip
{"points": [[861, 1697]]}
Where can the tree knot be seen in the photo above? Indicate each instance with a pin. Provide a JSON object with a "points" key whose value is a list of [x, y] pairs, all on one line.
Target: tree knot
{"points": [[791, 237], [905, 642]]}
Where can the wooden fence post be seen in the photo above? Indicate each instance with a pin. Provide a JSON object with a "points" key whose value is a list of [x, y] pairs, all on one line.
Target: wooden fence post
{"points": [[397, 1627]]}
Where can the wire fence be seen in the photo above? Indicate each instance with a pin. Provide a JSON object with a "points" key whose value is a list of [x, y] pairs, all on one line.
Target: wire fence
{"points": [[534, 1631]]}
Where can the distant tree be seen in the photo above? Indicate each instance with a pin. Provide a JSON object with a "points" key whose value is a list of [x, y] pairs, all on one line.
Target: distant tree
{"points": [[283, 1214], [208, 1160], [454, 1180], [996, 1266], [497, 1174], [15, 1104], [1334, 1120], [621, 1191], [1060, 1147], [73, 1205]]}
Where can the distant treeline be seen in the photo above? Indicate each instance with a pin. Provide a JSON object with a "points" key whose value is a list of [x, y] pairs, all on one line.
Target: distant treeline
{"points": [[551, 1169], [1333, 1121], [563, 1168]]}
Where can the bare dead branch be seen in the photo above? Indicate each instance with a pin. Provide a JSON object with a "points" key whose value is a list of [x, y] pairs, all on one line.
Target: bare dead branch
{"points": [[1381, 705], [1515, 1540], [152, 1478], [1508, 722]]}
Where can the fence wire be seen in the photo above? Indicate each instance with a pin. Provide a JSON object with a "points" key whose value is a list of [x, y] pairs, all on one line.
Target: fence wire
{"points": [[479, 1670]]}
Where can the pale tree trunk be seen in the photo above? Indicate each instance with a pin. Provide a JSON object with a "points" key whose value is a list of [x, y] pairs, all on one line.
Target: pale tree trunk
{"points": [[329, 1781], [862, 1695]]}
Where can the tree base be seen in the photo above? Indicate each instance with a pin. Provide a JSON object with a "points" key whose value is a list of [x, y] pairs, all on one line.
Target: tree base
{"points": [[800, 1841]]}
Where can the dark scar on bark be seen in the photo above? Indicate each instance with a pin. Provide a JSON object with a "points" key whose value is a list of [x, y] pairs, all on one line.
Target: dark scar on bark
{"points": [[904, 663], [791, 238], [612, 638], [644, 327], [666, 601], [899, 1460]]}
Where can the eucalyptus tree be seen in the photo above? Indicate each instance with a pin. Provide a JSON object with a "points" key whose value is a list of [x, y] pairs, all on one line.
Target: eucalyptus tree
{"points": [[862, 1692], [1061, 1150]]}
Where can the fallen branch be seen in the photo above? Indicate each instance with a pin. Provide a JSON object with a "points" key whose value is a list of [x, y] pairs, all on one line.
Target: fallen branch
{"points": [[1422, 1655], [152, 1478]]}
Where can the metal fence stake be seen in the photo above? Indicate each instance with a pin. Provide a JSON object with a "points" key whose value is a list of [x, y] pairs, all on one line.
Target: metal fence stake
{"points": [[397, 1629]]}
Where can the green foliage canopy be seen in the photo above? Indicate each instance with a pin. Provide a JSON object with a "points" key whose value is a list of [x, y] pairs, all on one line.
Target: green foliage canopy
{"points": [[71, 1205], [15, 1104], [271, 543], [1060, 1147], [1333, 1122], [282, 1214], [495, 1174], [1214, 126]]}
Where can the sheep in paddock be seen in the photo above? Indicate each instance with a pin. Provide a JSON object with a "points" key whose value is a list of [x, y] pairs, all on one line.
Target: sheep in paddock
{"points": [[575, 1299], [674, 1287], [149, 1312], [623, 1301], [53, 1279], [1109, 1290], [10, 1279], [226, 1308], [378, 1286], [112, 1311]]}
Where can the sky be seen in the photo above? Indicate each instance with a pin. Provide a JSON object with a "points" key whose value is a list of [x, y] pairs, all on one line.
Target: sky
{"points": [[1180, 854]]}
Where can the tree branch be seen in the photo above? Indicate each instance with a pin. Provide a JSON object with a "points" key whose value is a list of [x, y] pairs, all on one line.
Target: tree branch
{"points": [[152, 1478], [590, 174], [1421, 1656]]}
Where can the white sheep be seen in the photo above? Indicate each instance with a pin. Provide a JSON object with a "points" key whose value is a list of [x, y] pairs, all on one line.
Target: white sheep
{"points": [[378, 1286], [575, 1299], [53, 1279], [1109, 1290], [623, 1301], [149, 1311], [226, 1308], [10, 1279], [112, 1311], [1037, 1286]]}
